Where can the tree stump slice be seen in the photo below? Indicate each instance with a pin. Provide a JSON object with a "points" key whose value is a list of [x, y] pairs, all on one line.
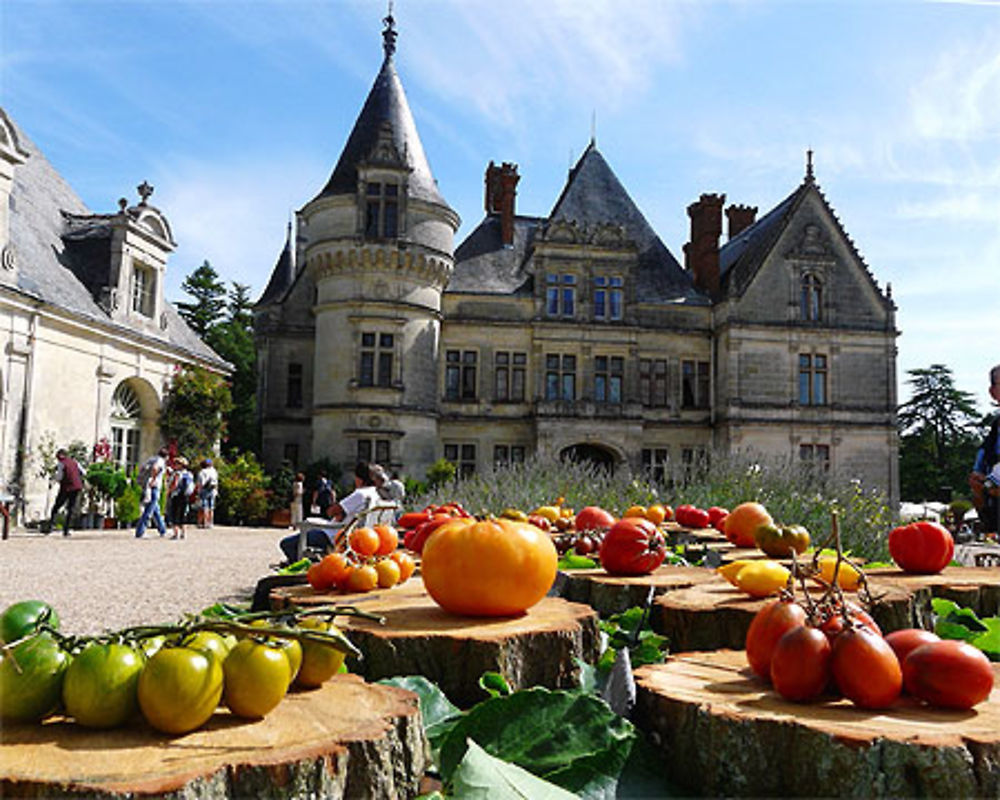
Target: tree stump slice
{"points": [[346, 739], [537, 648], [714, 614], [723, 732], [611, 594], [977, 588]]}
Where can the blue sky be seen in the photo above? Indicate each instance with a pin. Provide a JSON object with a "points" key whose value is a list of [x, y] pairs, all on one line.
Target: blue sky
{"points": [[236, 111]]}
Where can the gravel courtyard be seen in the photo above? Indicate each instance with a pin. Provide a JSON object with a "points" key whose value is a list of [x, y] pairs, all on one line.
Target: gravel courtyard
{"points": [[100, 580]]}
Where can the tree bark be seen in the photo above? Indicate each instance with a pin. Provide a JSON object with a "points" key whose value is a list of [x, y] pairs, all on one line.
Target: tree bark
{"points": [[346, 739], [611, 594], [723, 732]]}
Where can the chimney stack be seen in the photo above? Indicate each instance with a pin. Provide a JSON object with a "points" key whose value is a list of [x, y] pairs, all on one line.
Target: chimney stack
{"points": [[740, 218], [701, 254], [501, 191]]}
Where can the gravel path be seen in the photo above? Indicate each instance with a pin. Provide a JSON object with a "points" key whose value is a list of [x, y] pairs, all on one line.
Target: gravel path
{"points": [[100, 580]]}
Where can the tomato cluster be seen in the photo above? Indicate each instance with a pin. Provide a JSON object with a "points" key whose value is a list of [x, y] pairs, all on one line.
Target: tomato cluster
{"points": [[418, 525], [690, 516], [805, 654], [367, 559], [176, 685]]}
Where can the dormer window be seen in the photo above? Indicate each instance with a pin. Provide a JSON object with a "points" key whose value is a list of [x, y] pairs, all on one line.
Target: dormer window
{"points": [[143, 285], [381, 210], [811, 298], [607, 297]]}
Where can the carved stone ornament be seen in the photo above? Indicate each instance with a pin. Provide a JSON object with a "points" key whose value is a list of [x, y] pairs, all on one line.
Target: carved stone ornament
{"points": [[109, 298], [8, 258], [812, 244], [163, 321], [375, 421]]}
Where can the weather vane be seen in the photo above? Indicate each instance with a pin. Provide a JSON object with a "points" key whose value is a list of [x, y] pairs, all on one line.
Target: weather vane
{"points": [[389, 33]]}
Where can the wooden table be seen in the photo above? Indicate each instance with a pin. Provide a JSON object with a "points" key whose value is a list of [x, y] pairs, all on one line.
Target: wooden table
{"points": [[612, 594]]}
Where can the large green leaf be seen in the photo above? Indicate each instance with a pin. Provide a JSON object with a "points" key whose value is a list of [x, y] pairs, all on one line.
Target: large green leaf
{"points": [[571, 739], [480, 776], [954, 622], [989, 642]]}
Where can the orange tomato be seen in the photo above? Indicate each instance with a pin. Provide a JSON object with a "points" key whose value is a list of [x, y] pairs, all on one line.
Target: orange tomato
{"points": [[656, 513], [743, 520], [406, 564], [388, 539], [635, 511], [492, 568], [364, 541], [333, 568], [361, 579], [316, 578], [388, 573]]}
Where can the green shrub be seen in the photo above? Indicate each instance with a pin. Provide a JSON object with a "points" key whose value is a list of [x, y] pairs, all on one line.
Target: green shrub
{"points": [[280, 494], [242, 491], [128, 505]]}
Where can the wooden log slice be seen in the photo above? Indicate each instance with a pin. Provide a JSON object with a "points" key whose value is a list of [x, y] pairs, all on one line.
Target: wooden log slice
{"points": [[537, 648], [723, 732], [611, 594], [714, 614], [346, 739], [977, 588]]}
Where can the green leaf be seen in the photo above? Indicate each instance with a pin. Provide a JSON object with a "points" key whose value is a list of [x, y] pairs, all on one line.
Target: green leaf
{"points": [[572, 739], [961, 623], [989, 642], [494, 684], [648, 651], [574, 561], [480, 776], [588, 676]]}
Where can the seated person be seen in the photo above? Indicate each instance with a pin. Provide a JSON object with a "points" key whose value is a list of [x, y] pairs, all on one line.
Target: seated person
{"points": [[367, 480]]}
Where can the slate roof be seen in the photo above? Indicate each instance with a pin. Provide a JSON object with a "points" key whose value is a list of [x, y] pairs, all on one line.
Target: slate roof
{"points": [[484, 266], [386, 103], [61, 246], [282, 276], [592, 195]]}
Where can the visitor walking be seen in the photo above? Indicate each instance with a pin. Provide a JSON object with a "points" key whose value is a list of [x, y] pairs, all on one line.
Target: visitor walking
{"points": [[298, 495], [151, 481], [69, 476], [208, 491], [181, 489]]}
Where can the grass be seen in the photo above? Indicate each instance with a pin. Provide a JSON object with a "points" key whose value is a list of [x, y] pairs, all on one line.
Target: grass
{"points": [[791, 493]]}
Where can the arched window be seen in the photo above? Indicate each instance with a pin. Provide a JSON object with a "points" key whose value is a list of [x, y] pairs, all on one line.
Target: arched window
{"points": [[125, 426], [811, 298]]}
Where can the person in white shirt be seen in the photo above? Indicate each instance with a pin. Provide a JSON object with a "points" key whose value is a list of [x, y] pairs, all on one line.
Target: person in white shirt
{"points": [[155, 467], [208, 490]]}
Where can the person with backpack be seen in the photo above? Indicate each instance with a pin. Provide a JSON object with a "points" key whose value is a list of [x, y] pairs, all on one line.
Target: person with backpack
{"points": [[70, 479], [182, 488], [323, 495], [208, 490], [151, 483]]}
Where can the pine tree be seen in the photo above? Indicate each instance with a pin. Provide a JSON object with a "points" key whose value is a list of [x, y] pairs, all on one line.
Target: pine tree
{"points": [[209, 295], [233, 340]]}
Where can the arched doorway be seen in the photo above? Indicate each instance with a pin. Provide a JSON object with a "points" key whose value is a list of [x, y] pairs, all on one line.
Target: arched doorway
{"points": [[126, 426], [600, 457]]}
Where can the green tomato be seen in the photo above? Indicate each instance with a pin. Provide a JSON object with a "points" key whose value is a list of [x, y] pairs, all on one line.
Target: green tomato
{"points": [[31, 679], [320, 662], [179, 689], [257, 677], [99, 690], [211, 643], [23, 618]]}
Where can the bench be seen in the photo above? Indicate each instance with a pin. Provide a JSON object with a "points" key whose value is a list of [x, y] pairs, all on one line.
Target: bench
{"points": [[383, 514]]}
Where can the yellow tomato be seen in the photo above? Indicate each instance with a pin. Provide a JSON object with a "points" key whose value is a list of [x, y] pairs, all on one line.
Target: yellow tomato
{"points": [[257, 677], [847, 576], [320, 662], [179, 689], [762, 578], [388, 573], [635, 511], [731, 570]]}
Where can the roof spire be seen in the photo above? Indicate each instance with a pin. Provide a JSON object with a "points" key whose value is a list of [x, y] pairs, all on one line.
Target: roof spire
{"points": [[389, 33], [810, 178], [593, 127]]}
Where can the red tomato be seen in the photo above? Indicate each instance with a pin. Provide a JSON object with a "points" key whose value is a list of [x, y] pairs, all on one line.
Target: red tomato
{"points": [[592, 518], [720, 524], [922, 547], [681, 514], [834, 625], [413, 518], [715, 514], [866, 669], [905, 641], [769, 624], [949, 674], [698, 518], [422, 531], [800, 664], [633, 546]]}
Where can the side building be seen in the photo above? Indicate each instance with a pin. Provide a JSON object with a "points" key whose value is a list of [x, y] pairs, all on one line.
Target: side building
{"points": [[574, 334], [89, 344]]}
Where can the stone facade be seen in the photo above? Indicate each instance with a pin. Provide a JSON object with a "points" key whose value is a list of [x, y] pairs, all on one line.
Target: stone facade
{"points": [[88, 344], [576, 333]]}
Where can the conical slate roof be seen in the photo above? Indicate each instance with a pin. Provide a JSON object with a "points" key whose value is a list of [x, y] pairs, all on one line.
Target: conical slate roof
{"points": [[386, 103], [283, 274], [592, 195]]}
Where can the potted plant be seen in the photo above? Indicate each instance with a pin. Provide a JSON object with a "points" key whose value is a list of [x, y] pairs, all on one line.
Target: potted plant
{"points": [[128, 504], [279, 497], [105, 481]]}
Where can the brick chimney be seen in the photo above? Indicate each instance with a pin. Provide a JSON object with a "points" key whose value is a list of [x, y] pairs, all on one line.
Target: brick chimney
{"points": [[701, 254], [501, 191], [740, 218]]}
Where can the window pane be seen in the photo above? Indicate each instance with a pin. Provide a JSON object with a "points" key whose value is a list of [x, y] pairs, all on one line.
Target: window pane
{"points": [[552, 362], [569, 295], [616, 305], [517, 388], [569, 387], [391, 190], [599, 304], [502, 358], [452, 355], [552, 302], [451, 452], [371, 218], [804, 388], [551, 385], [382, 451], [615, 395], [517, 454], [451, 382], [501, 389], [819, 389], [600, 390], [601, 363], [367, 372], [364, 450], [569, 363], [367, 339], [385, 340], [468, 382], [468, 452], [500, 454], [373, 189], [390, 220], [384, 369], [520, 358]]}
